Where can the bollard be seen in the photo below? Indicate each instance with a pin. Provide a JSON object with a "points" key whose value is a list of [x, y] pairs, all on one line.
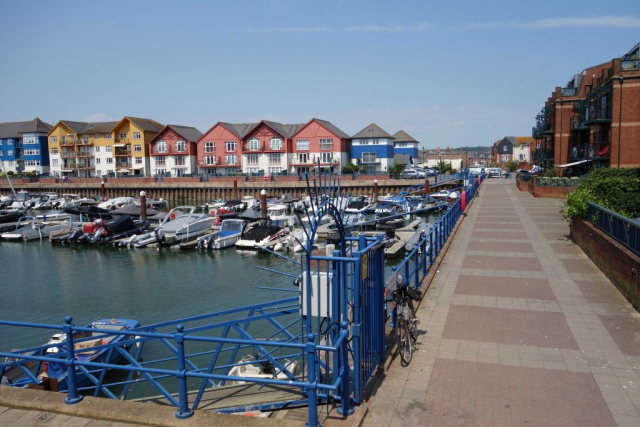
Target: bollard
{"points": [[375, 190], [235, 189], [73, 396], [183, 411], [104, 192], [263, 203], [143, 205], [426, 186]]}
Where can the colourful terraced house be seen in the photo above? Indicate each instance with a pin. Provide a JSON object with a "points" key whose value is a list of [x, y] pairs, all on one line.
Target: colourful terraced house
{"points": [[405, 144], [24, 147], [372, 149], [319, 142], [131, 147], [173, 151]]}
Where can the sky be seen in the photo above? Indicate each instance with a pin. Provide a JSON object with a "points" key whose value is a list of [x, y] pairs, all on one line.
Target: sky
{"points": [[451, 73]]}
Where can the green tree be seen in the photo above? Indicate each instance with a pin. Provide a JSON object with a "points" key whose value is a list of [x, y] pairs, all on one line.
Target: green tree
{"points": [[397, 169], [444, 167], [350, 168], [512, 166], [551, 173]]}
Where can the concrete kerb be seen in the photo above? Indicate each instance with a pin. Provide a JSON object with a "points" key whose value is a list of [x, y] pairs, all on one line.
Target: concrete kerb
{"points": [[150, 414]]}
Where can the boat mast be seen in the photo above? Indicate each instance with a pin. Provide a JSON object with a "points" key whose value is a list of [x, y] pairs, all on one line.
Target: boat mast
{"points": [[7, 176]]}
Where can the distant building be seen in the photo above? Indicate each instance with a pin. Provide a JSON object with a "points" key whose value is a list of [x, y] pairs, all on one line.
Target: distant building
{"points": [[406, 144], [319, 141], [433, 158], [522, 149], [372, 149], [219, 150], [503, 149], [24, 147], [173, 150]]}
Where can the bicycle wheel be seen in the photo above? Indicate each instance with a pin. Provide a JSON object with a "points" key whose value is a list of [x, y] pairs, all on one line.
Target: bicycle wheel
{"points": [[405, 344]]}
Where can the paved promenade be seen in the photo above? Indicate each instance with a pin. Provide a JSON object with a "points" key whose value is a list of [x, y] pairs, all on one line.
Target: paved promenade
{"points": [[523, 330]]}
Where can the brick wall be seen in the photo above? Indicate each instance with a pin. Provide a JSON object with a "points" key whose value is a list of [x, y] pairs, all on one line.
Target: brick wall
{"points": [[548, 192], [522, 186], [616, 261], [184, 179], [630, 137]]}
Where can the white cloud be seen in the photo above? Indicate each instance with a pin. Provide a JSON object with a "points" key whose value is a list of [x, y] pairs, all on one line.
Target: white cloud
{"points": [[99, 117], [375, 28], [562, 22], [291, 30]]}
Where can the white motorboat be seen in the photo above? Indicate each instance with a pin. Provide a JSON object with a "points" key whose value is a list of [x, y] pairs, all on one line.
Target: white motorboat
{"points": [[48, 201], [23, 200], [53, 216], [229, 233], [358, 204], [264, 235], [28, 229], [116, 203], [445, 195], [182, 224], [250, 202], [262, 368], [297, 240], [281, 215]]}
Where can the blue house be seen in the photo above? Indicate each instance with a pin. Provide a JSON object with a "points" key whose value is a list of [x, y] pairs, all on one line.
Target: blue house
{"points": [[24, 146], [372, 149], [406, 144]]}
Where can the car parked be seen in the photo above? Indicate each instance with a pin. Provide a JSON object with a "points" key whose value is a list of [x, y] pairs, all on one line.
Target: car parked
{"points": [[412, 174]]}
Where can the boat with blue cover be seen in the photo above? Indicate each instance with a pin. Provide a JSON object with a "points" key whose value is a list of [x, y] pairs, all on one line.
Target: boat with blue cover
{"points": [[88, 347]]}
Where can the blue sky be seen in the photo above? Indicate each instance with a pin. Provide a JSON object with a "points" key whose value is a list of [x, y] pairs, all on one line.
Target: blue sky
{"points": [[439, 70]]}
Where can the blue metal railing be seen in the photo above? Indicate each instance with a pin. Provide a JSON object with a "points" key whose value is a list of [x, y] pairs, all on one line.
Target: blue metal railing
{"points": [[418, 261], [621, 228]]}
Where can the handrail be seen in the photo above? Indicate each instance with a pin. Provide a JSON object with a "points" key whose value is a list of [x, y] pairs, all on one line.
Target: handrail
{"points": [[621, 228]]}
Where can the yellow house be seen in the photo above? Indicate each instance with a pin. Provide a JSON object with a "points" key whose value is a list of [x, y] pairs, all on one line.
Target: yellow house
{"points": [[73, 147], [131, 136]]}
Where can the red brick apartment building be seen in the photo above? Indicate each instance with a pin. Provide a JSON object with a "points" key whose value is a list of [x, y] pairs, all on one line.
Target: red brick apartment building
{"points": [[594, 121]]}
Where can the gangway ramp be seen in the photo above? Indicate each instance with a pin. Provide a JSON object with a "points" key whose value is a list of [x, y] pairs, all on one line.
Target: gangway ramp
{"points": [[240, 397]]}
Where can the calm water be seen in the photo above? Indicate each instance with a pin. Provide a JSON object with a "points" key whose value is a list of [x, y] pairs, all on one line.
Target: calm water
{"points": [[41, 282]]}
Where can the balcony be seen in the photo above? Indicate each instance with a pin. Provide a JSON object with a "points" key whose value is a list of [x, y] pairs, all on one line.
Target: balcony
{"points": [[211, 162], [250, 149], [125, 141], [84, 154], [68, 155], [68, 143], [630, 64], [578, 123], [598, 114], [122, 152], [599, 150], [295, 160], [543, 155], [85, 142], [542, 128], [569, 91]]}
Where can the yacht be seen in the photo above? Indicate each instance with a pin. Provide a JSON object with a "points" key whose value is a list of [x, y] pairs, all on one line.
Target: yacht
{"points": [[182, 224], [229, 233], [281, 215]]}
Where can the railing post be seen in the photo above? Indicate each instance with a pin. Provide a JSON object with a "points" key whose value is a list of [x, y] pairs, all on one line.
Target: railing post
{"points": [[345, 394], [72, 385], [392, 322], [430, 247], [423, 238], [183, 411], [310, 349], [406, 267], [417, 266]]}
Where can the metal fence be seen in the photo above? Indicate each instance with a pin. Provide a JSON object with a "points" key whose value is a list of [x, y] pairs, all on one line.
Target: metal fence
{"points": [[556, 182], [621, 228]]}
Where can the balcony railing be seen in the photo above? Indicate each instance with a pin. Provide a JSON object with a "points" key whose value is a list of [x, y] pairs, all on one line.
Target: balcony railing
{"points": [[597, 114], [216, 162], [123, 141], [569, 91], [85, 142], [598, 150], [542, 155], [68, 155], [247, 147], [67, 143], [542, 128], [123, 153], [578, 123]]}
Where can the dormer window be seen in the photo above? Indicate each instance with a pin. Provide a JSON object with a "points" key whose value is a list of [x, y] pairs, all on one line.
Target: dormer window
{"points": [[161, 147], [275, 144], [253, 144]]}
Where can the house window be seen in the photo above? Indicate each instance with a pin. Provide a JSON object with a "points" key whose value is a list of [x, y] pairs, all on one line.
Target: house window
{"points": [[209, 147], [108, 149], [210, 160], [136, 135], [181, 146], [253, 170], [302, 158], [180, 160], [109, 160], [54, 139], [231, 159], [97, 136], [54, 162], [505, 157], [368, 157], [31, 152], [326, 157], [98, 172], [504, 148], [161, 161], [64, 139], [252, 159], [9, 141], [123, 135], [274, 158], [521, 157], [253, 144], [274, 170], [326, 144], [10, 152], [97, 160], [107, 136], [302, 144], [98, 149], [55, 150], [275, 144], [138, 160], [32, 162], [161, 147], [137, 148], [230, 145]]}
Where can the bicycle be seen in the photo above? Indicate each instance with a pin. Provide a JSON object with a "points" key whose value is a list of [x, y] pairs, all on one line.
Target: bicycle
{"points": [[406, 323]]}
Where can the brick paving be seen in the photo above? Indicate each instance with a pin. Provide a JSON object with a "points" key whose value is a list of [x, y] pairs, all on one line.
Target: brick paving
{"points": [[522, 330]]}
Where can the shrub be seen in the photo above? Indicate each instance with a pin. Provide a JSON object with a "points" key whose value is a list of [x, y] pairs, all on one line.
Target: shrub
{"points": [[615, 189]]}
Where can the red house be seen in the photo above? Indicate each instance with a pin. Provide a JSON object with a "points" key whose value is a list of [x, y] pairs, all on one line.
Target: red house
{"points": [[219, 150], [319, 140], [267, 146], [173, 150]]}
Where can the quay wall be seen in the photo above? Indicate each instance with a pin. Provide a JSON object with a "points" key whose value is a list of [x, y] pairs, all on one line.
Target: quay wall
{"points": [[181, 190], [617, 262], [549, 192]]}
